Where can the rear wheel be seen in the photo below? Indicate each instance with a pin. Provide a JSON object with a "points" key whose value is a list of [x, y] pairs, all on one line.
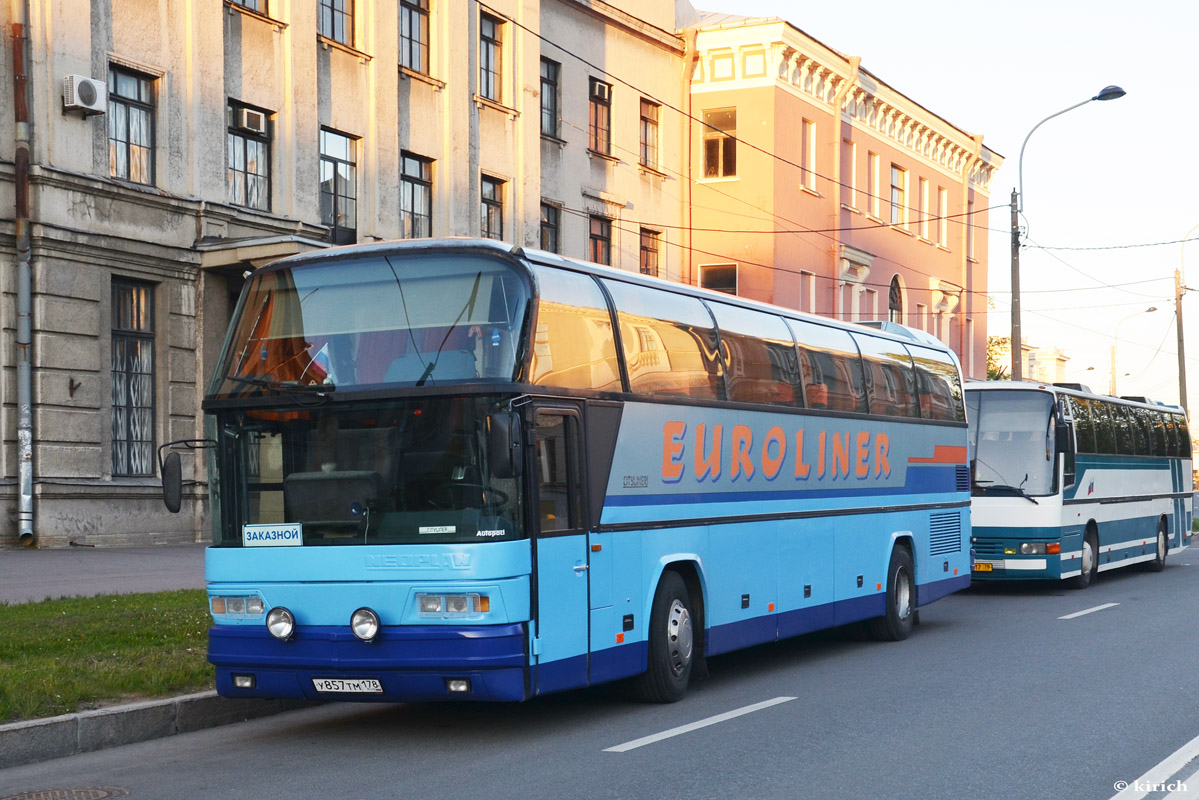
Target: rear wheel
{"points": [[1163, 547], [896, 624], [671, 643], [1090, 560]]}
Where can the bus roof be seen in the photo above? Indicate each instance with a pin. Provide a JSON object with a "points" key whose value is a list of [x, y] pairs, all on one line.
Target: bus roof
{"points": [[1052, 388]]}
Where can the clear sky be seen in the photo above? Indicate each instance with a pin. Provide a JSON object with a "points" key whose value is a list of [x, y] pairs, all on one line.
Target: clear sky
{"points": [[1106, 175]]}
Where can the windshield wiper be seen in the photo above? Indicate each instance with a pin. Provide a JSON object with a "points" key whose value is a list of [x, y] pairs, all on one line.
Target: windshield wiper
{"points": [[292, 390], [989, 486]]}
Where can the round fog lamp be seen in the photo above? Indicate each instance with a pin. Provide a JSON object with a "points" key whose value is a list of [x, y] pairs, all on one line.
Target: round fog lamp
{"points": [[280, 623], [365, 624]]}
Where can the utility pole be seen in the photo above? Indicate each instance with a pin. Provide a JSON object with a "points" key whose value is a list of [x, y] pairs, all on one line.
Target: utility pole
{"points": [[1182, 361], [1017, 340]]}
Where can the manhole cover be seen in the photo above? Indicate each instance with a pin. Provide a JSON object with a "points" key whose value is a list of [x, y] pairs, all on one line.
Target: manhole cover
{"points": [[69, 794]]}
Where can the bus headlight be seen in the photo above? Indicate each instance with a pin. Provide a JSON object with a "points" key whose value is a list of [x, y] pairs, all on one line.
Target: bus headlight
{"points": [[365, 624], [452, 605], [1032, 549], [241, 606], [280, 623]]}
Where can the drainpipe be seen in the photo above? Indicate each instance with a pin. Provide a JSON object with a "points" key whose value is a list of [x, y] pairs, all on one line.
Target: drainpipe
{"points": [[20, 11]]}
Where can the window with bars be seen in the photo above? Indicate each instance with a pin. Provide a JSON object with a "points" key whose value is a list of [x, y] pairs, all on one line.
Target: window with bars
{"points": [[414, 35], [599, 240], [599, 128], [492, 190], [490, 57], [649, 133], [551, 217], [248, 146], [549, 97], [416, 197], [132, 378], [130, 126], [651, 246], [335, 20], [339, 186]]}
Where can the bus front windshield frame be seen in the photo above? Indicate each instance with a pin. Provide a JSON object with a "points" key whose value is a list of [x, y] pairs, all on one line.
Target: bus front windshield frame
{"points": [[1012, 443], [396, 471], [373, 321]]}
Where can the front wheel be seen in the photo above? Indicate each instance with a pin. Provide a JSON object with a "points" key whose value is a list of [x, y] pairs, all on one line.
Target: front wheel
{"points": [[896, 624], [671, 643], [1163, 546], [1090, 561]]}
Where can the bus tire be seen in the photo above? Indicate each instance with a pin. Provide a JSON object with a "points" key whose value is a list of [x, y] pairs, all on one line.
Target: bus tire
{"points": [[896, 624], [1163, 547], [671, 643], [1090, 560]]}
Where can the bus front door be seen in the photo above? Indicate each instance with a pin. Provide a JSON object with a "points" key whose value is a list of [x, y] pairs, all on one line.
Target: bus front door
{"points": [[562, 636]]}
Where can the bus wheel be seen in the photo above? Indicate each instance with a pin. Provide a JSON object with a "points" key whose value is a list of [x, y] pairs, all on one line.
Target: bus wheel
{"points": [[896, 624], [1090, 561], [1159, 561], [671, 643]]}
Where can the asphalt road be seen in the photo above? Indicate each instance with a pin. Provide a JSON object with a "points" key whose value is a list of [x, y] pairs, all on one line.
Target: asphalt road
{"points": [[995, 695]]}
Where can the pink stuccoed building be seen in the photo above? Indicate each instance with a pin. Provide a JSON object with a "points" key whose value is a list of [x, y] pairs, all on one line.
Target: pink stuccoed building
{"points": [[819, 187]]}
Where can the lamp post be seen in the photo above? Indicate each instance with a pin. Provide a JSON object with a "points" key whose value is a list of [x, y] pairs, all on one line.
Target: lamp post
{"points": [[1107, 93], [1179, 276], [1115, 336]]}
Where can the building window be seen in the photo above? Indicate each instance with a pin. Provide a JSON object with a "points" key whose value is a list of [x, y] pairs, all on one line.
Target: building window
{"points": [[549, 97], [651, 245], [493, 208], [923, 208], [809, 155], [720, 143], [895, 301], [132, 378], [130, 126], [599, 240], [970, 228], [649, 133], [874, 203], [899, 196], [248, 144], [942, 217], [850, 157], [253, 5], [414, 35], [551, 220], [490, 54], [339, 187], [335, 20], [416, 196], [599, 128], [719, 277]]}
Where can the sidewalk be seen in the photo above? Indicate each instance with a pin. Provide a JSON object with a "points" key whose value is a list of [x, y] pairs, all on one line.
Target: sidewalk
{"points": [[33, 575]]}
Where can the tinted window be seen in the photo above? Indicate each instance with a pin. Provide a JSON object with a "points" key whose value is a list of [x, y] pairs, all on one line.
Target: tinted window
{"points": [[669, 342], [1084, 424], [938, 385], [890, 377], [830, 367], [760, 362], [1184, 436], [573, 344], [1105, 433], [1123, 423]]}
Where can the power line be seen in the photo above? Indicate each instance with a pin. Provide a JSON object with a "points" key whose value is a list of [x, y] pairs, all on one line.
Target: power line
{"points": [[1120, 246]]}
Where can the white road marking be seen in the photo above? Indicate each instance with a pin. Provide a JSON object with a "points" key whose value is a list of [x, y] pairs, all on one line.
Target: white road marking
{"points": [[1089, 610], [1183, 792], [703, 723], [1161, 773]]}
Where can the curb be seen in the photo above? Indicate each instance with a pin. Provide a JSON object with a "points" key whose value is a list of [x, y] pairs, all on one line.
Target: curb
{"points": [[54, 737]]}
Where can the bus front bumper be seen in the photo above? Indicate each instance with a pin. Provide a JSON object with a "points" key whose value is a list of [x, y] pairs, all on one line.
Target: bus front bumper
{"points": [[411, 663]]}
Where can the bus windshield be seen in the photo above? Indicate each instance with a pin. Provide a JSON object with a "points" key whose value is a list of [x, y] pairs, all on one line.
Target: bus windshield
{"points": [[1011, 442], [375, 320], [414, 471]]}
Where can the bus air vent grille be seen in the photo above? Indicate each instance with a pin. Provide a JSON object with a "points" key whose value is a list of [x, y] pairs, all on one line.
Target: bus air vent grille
{"points": [[962, 478], [945, 534]]}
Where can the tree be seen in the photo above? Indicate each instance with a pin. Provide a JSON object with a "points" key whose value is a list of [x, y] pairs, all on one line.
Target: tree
{"points": [[999, 349]]}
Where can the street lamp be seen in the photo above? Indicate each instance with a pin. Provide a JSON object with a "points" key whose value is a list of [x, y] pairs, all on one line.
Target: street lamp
{"points": [[1115, 336], [1107, 93]]}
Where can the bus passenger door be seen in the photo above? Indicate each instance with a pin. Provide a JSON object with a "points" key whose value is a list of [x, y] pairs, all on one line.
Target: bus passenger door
{"points": [[563, 633]]}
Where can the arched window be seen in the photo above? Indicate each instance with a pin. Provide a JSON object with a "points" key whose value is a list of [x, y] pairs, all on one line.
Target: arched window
{"points": [[895, 301]]}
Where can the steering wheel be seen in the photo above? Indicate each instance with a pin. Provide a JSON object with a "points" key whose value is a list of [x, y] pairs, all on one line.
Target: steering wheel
{"points": [[492, 497]]}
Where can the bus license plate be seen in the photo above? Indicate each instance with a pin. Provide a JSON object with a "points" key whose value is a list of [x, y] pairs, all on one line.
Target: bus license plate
{"points": [[348, 685], [984, 566]]}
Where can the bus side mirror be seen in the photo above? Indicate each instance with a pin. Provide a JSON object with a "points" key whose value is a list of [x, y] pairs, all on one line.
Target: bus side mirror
{"points": [[172, 482], [504, 444], [1062, 439]]}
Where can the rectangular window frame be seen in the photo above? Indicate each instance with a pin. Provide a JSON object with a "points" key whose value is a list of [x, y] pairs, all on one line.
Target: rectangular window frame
{"points": [[335, 21], [550, 231], [650, 114], [551, 72], [414, 35], [808, 155], [719, 152], [491, 54], [139, 332], [416, 196], [874, 202], [899, 196], [599, 116], [339, 195], [651, 251], [491, 206], [123, 106], [240, 142], [599, 239]]}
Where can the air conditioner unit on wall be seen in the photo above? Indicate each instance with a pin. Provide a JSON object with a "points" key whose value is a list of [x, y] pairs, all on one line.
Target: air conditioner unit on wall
{"points": [[81, 93], [253, 121]]}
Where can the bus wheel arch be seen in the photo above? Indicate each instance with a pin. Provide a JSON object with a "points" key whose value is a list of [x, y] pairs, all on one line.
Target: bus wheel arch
{"points": [[675, 637], [1161, 546], [896, 624]]}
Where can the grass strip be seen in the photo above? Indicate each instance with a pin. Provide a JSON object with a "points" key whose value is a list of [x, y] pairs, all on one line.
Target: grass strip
{"points": [[76, 653]]}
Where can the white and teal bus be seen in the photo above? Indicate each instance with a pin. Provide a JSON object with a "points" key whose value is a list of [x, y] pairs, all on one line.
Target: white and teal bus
{"points": [[1067, 484], [462, 470]]}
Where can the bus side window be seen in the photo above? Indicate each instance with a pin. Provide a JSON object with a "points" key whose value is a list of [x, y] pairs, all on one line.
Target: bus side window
{"points": [[1122, 422], [557, 467], [1105, 434], [1184, 437], [1084, 425], [832, 368]]}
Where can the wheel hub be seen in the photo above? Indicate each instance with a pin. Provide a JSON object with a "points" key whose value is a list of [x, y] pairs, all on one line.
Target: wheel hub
{"points": [[679, 636]]}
